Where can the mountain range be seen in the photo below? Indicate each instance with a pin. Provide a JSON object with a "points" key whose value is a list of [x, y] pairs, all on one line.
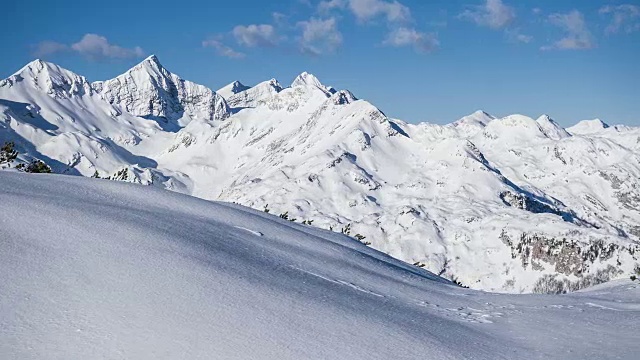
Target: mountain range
{"points": [[510, 204]]}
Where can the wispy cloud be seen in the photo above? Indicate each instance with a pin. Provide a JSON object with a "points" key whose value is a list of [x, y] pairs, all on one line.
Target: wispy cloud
{"points": [[91, 46], [366, 10], [97, 47], [493, 14], [326, 6], [625, 18], [577, 35], [421, 42], [45, 48], [256, 35], [222, 49], [319, 36], [515, 36]]}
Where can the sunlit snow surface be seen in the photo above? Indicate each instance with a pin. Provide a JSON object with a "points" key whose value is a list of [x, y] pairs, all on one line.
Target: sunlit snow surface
{"points": [[509, 204], [96, 269]]}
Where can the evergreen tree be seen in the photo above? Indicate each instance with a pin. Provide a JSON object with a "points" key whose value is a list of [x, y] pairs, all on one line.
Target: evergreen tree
{"points": [[8, 153], [38, 166]]}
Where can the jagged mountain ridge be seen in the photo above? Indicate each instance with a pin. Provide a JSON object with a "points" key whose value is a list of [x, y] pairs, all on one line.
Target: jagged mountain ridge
{"points": [[507, 204]]}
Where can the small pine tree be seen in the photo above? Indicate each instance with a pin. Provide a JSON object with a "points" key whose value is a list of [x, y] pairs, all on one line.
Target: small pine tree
{"points": [[35, 166], [285, 215], [266, 208], [120, 175], [360, 237], [8, 153], [346, 229], [96, 175]]}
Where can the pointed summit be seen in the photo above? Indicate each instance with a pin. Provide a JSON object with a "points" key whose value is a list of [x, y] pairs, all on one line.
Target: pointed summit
{"points": [[51, 78], [152, 58], [151, 66], [477, 119], [232, 89], [551, 128], [306, 79], [150, 90]]}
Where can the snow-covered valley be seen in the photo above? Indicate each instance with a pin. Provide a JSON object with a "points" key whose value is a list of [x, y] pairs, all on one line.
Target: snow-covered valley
{"points": [[508, 204], [102, 269]]}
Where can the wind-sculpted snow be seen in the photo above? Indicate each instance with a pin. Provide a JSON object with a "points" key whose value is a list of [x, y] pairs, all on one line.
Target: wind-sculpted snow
{"points": [[507, 204], [99, 269]]}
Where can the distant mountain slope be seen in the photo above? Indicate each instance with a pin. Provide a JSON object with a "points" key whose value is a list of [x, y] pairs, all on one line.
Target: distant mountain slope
{"points": [[96, 269], [509, 204]]}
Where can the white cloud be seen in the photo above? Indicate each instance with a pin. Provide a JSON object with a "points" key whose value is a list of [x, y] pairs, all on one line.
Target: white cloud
{"points": [[420, 41], [365, 10], [577, 35], [91, 46], [327, 5], [97, 47], [515, 36], [624, 18], [255, 35], [368, 9], [319, 36], [222, 49], [45, 48], [494, 14]]}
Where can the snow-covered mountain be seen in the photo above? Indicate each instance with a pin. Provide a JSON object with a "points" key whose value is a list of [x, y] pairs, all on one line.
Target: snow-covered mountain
{"points": [[102, 269], [509, 204]]}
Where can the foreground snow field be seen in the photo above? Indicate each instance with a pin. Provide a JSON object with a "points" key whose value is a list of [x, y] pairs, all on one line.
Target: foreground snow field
{"points": [[101, 269]]}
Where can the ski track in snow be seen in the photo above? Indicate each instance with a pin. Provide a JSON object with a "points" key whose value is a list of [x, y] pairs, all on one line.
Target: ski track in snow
{"points": [[256, 233]]}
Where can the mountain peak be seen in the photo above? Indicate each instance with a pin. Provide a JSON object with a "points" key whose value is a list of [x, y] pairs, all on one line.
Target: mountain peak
{"points": [[51, 78], [39, 66], [588, 127], [152, 58], [307, 79], [232, 89], [150, 90], [551, 128], [479, 118], [150, 65]]}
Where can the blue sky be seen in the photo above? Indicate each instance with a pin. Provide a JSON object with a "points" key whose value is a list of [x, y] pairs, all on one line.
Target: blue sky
{"points": [[417, 60]]}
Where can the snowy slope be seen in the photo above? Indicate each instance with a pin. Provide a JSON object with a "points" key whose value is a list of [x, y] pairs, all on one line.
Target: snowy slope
{"points": [[510, 204], [101, 269], [231, 89]]}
